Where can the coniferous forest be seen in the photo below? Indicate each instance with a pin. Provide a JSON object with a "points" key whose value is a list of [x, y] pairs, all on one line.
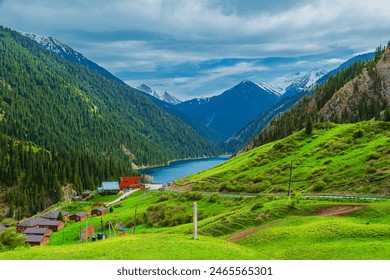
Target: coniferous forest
{"points": [[61, 123]]}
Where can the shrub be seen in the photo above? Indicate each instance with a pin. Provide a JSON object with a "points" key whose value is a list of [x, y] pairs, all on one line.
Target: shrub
{"points": [[358, 134], [10, 240], [258, 205], [372, 156], [214, 197], [319, 186], [194, 196], [166, 215]]}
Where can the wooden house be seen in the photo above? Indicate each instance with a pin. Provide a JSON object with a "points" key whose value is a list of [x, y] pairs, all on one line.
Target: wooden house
{"points": [[85, 194], [109, 187], [134, 182], [99, 211], [38, 231], [86, 232], [81, 216], [37, 240], [40, 223], [56, 215]]}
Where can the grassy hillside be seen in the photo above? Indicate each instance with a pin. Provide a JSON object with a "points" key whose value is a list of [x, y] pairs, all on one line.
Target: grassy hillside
{"points": [[346, 158], [255, 227]]}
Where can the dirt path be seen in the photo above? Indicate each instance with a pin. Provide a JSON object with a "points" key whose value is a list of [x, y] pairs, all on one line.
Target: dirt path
{"points": [[339, 210]]}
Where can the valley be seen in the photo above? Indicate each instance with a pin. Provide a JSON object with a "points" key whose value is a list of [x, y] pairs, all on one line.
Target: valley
{"points": [[309, 176]]}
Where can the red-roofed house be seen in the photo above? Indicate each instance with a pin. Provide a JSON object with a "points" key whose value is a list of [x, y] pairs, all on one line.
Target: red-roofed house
{"points": [[130, 182]]}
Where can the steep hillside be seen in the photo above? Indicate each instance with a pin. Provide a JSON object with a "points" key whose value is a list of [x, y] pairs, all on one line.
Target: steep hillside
{"points": [[345, 158], [60, 105], [359, 92], [229, 112], [70, 54]]}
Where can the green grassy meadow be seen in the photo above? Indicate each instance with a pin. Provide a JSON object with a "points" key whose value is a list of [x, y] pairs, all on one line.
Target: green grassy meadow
{"points": [[347, 158], [280, 231]]}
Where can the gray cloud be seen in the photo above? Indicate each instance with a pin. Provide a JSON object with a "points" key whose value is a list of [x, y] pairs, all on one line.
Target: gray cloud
{"points": [[147, 36]]}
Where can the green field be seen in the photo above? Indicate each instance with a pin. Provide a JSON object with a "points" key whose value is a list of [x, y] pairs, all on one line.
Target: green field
{"points": [[280, 231]]}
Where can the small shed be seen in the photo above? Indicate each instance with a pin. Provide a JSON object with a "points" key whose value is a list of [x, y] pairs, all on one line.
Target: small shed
{"points": [[38, 231], [33, 223], [80, 216], [37, 240], [55, 215], [87, 232], [99, 211], [109, 187], [85, 194], [40, 223]]}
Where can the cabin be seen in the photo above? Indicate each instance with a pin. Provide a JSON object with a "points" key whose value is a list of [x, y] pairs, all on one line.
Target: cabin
{"points": [[109, 187], [81, 216], [37, 240], [86, 232], [2, 228], [99, 211], [38, 231], [40, 223], [56, 215], [130, 183], [85, 194]]}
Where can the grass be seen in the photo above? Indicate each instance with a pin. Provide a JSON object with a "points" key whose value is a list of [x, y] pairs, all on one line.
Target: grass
{"points": [[334, 159], [283, 232]]}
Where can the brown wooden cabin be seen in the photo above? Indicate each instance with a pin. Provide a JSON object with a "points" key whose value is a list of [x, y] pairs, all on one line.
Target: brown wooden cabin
{"points": [[40, 223], [81, 216], [86, 232], [99, 211], [37, 240]]}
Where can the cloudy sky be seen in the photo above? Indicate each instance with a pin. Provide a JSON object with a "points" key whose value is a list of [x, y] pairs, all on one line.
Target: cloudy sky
{"points": [[197, 48]]}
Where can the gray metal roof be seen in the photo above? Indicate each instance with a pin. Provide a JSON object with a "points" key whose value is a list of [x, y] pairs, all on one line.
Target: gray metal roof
{"points": [[40, 231], [109, 186], [39, 221], [35, 238], [54, 215]]}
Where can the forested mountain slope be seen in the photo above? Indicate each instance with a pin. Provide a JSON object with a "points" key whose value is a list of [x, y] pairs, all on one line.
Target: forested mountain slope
{"points": [[60, 105]]}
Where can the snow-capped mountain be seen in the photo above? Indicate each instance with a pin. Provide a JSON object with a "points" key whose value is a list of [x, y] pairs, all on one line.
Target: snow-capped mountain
{"points": [[70, 54], [159, 94], [300, 81], [230, 111]]}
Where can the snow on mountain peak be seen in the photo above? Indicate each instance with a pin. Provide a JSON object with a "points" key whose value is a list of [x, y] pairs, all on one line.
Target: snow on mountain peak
{"points": [[159, 94]]}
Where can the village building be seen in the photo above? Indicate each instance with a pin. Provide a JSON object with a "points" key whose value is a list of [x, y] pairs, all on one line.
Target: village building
{"points": [[85, 194], [81, 216], [134, 182], [37, 240], [40, 223], [86, 232], [99, 211], [38, 231], [109, 187], [56, 215], [2, 228]]}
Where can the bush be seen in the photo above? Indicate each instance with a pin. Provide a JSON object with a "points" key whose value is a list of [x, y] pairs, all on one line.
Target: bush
{"points": [[166, 215], [258, 205], [319, 186], [358, 134], [194, 196], [10, 240], [214, 197]]}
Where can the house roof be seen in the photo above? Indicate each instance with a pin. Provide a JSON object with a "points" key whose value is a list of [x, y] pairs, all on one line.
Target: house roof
{"points": [[2, 228], [35, 238], [39, 221], [81, 214], [54, 215], [101, 209], [109, 186], [39, 231]]}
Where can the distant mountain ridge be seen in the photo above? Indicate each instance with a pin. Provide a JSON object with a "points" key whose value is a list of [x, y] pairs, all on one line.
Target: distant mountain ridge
{"points": [[159, 94], [228, 112], [70, 54]]}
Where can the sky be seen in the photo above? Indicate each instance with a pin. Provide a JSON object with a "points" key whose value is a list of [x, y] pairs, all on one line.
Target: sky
{"points": [[196, 48]]}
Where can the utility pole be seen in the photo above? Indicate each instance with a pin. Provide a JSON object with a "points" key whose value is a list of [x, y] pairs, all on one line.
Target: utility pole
{"points": [[289, 182], [195, 216]]}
